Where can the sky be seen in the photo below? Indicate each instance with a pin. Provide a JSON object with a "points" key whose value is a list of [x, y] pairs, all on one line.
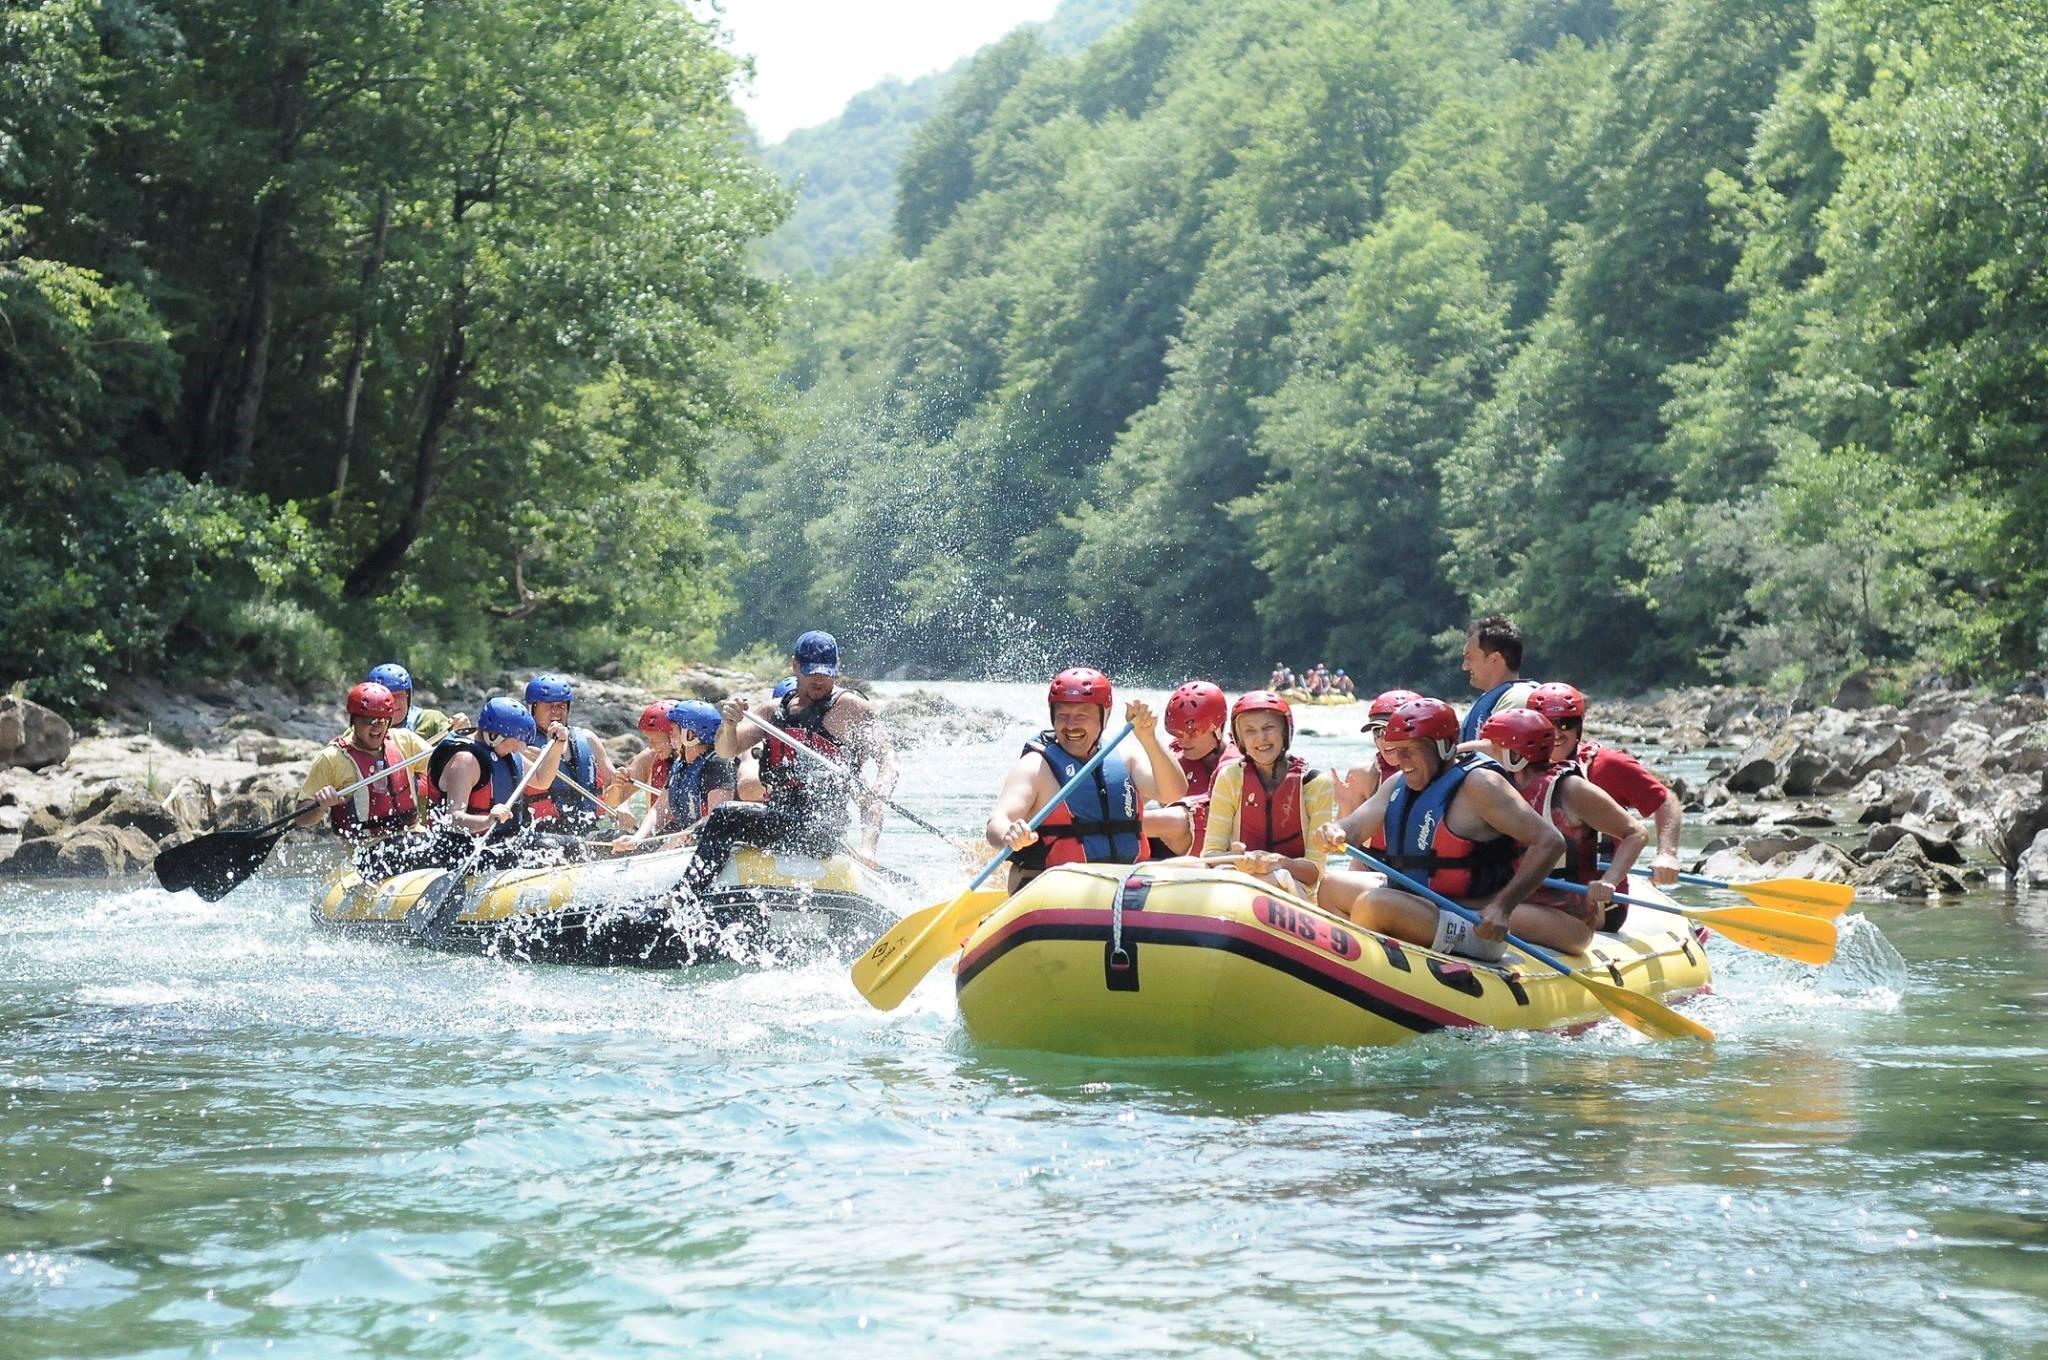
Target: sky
{"points": [[811, 56]]}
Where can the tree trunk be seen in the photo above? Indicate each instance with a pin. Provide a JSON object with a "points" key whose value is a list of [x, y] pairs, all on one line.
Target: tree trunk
{"points": [[359, 345], [383, 560]]}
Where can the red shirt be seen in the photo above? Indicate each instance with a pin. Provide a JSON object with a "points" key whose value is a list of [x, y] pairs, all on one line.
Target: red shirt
{"points": [[1622, 777]]}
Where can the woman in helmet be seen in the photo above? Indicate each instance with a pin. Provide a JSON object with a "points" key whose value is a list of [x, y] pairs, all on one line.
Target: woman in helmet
{"points": [[1360, 781], [1195, 717], [1265, 808], [1102, 820], [1521, 740], [370, 746], [700, 780]]}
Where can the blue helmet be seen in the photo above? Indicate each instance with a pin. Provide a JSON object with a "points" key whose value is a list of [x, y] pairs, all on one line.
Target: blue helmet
{"points": [[503, 717], [784, 686], [393, 677], [698, 716], [548, 689]]}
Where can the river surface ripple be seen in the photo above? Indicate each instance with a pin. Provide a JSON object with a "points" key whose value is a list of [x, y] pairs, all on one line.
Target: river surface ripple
{"points": [[223, 1132]]}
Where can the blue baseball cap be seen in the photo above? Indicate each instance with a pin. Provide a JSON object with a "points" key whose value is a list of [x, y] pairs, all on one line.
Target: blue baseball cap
{"points": [[817, 653]]}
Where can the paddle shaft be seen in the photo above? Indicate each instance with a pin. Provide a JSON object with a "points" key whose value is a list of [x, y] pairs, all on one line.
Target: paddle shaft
{"points": [[847, 775], [608, 808], [436, 925]]}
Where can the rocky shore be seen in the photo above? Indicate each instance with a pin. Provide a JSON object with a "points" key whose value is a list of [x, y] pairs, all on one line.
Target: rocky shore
{"points": [[1921, 801]]}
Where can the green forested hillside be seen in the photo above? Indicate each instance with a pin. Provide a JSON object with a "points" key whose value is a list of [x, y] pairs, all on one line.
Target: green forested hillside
{"points": [[345, 330], [843, 172], [1702, 335]]}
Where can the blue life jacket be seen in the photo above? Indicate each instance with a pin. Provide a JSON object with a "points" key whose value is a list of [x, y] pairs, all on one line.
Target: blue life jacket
{"points": [[1482, 709], [580, 764], [686, 788], [1099, 823], [1420, 841]]}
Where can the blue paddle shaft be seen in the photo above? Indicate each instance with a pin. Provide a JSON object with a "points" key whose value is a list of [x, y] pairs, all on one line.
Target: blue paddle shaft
{"points": [[1424, 890], [1057, 799], [1580, 888]]}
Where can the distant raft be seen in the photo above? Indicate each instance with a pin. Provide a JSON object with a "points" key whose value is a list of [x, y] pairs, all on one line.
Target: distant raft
{"points": [[1158, 961], [784, 907]]}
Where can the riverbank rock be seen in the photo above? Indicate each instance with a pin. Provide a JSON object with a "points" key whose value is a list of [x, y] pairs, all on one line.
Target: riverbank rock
{"points": [[2032, 869], [923, 716], [31, 736], [1905, 871], [1882, 838], [97, 851], [1778, 857]]}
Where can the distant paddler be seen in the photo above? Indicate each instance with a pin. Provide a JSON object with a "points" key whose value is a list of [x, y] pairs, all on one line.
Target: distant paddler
{"points": [[1101, 822], [370, 747], [428, 723], [806, 802], [585, 761]]}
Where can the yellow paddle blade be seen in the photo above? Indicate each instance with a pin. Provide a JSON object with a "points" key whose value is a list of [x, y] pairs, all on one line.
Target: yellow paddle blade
{"points": [[1643, 1014], [1809, 939], [1809, 896], [894, 965]]}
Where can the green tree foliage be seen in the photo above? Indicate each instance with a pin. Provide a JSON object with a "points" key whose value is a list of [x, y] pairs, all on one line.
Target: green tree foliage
{"points": [[438, 306], [1699, 335]]}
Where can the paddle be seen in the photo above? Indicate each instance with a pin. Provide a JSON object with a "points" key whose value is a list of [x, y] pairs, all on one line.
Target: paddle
{"points": [[436, 909], [1809, 939], [215, 865], [898, 961], [850, 777], [1802, 896], [618, 814], [1640, 1013]]}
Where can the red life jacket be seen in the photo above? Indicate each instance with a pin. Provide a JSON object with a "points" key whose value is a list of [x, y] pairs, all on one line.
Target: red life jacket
{"points": [[1202, 773], [657, 771], [389, 803], [792, 778], [1272, 821], [1581, 842]]}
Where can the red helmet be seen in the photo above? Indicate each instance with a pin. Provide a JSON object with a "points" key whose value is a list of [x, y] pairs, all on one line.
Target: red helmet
{"points": [[1079, 685], [372, 700], [1260, 701], [1556, 700], [1523, 734], [1194, 706], [654, 718], [1423, 720], [1384, 705]]}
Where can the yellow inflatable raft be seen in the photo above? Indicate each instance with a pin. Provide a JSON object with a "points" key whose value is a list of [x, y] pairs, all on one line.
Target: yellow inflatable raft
{"points": [[1173, 961], [779, 907]]}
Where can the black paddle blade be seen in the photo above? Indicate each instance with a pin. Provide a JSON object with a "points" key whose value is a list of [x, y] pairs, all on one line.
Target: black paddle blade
{"points": [[214, 866], [434, 910]]}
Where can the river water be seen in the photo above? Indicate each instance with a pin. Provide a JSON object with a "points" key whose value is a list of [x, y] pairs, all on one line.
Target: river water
{"points": [[223, 1132]]}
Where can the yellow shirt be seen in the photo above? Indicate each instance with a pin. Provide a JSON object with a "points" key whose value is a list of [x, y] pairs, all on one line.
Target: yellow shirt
{"points": [[1226, 797], [333, 768]]}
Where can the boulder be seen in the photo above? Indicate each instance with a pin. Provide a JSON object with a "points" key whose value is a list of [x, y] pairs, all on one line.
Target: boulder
{"points": [[1769, 857], [31, 736], [1882, 838], [2032, 869], [1799, 814], [624, 747], [191, 805], [125, 805], [1857, 691], [1762, 763], [83, 852], [2006, 822], [44, 822], [1905, 871]]}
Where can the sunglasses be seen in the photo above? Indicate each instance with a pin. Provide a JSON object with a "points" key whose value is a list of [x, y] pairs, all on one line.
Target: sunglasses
{"points": [[1569, 724]]}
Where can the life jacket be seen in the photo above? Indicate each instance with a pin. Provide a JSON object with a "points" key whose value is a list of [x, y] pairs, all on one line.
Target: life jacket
{"points": [[792, 779], [1581, 842], [657, 771], [579, 762], [410, 722], [1420, 839], [1100, 821], [502, 775], [1202, 773], [686, 788], [389, 803], [1272, 821], [1482, 709]]}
